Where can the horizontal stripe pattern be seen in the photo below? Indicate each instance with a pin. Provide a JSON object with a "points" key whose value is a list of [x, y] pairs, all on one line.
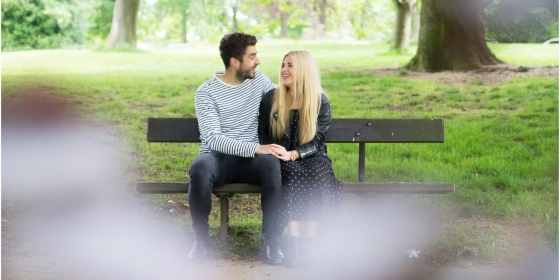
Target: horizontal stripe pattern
{"points": [[228, 115]]}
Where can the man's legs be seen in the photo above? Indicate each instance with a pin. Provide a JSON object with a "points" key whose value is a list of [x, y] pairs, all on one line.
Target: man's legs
{"points": [[264, 170], [206, 170]]}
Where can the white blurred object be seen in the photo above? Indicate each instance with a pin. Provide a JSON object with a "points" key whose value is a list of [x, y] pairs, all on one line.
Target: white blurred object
{"points": [[412, 253], [72, 184]]}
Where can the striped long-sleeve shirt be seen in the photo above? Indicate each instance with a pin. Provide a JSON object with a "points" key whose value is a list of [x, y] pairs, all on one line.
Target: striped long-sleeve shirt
{"points": [[228, 115]]}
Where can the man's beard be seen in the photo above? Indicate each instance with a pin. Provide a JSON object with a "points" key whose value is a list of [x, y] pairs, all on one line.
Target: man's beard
{"points": [[242, 74]]}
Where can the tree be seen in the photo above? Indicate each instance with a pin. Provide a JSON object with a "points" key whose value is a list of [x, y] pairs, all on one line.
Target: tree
{"points": [[319, 23], [235, 11], [401, 34], [371, 20], [452, 37], [321, 7], [276, 13], [415, 28], [123, 27], [179, 7], [183, 7]]}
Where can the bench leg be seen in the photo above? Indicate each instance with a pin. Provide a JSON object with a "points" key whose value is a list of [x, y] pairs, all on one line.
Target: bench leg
{"points": [[362, 163], [224, 216]]}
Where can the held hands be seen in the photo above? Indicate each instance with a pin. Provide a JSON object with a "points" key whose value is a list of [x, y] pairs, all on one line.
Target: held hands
{"points": [[277, 151], [280, 152], [264, 150]]}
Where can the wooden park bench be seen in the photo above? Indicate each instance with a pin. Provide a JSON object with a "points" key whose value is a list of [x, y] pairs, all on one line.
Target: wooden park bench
{"points": [[360, 131]]}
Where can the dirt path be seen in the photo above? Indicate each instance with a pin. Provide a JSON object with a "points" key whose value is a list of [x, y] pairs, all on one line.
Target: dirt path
{"points": [[487, 75], [41, 268], [132, 245]]}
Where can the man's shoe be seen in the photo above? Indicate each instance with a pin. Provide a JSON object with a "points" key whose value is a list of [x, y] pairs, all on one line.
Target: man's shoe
{"points": [[199, 251], [274, 255]]}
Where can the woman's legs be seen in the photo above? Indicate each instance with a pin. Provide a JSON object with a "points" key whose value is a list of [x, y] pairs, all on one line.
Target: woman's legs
{"points": [[293, 228], [308, 246], [309, 243], [294, 252], [310, 228]]}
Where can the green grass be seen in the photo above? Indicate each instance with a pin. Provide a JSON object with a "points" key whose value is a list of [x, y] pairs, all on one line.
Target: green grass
{"points": [[469, 241], [501, 141]]}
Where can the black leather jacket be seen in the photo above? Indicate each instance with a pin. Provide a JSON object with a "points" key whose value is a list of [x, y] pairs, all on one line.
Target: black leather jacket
{"points": [[315, 147]]}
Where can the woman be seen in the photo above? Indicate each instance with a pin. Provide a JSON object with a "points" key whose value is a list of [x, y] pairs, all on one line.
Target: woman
{"points": [[295, 116]]}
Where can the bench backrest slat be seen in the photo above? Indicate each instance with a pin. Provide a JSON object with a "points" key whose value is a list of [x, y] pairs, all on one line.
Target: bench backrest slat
{"points": [[340, 131]]}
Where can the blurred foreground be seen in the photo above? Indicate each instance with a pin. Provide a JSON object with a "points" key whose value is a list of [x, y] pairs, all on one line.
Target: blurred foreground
{"points": [[63, 202], [66, 216]]}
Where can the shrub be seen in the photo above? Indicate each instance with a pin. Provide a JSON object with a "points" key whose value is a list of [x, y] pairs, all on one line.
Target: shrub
{"points": [[26, 26]]}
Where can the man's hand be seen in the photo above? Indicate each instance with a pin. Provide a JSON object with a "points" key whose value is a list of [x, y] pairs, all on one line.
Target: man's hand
{"points": [[275, 150], [265, 150]]}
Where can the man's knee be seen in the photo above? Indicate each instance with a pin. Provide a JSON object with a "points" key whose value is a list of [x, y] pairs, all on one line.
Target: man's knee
{"points": [[268, 163], [202, 169]]}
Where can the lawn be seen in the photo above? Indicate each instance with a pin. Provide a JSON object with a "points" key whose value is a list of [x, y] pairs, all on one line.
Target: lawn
{"points": [[501, 142]]}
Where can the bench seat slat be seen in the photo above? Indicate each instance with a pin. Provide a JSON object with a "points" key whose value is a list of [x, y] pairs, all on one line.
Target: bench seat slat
{"points": [[349, 187]]}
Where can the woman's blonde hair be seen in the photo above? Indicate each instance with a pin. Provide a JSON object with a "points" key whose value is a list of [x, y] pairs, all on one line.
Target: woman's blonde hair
{"points": [[307, 89]]}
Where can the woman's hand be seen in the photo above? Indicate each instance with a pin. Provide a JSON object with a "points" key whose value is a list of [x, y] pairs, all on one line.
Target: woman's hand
{"points": [[280, 152]]}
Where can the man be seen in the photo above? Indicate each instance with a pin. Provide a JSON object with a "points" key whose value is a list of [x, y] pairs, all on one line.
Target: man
{"points": [[227, 108]]}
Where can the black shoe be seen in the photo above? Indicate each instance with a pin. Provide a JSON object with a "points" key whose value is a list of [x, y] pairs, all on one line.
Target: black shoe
{"points": [[199, 251], [274, 255], [293, 259]]}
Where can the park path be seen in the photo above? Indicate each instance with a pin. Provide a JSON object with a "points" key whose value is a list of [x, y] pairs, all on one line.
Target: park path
{"points": [[14, 267]]}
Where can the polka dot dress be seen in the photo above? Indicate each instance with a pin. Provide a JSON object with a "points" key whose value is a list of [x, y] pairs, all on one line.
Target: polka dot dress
{"points": [[310, 189]]}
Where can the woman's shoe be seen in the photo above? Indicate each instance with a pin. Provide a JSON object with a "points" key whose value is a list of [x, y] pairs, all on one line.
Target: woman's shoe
{"points": [[293, 259]]}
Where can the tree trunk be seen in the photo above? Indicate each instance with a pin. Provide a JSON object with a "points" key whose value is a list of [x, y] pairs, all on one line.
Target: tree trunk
{"points": [[415, 28], [235, 17], [184, 18], [284, 24], [123, 27], [401, 34], [321, 9], [323, 13], [452, 37]]}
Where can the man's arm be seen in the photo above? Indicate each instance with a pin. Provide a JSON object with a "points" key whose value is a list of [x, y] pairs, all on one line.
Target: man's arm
{"points": [[210, 131]]}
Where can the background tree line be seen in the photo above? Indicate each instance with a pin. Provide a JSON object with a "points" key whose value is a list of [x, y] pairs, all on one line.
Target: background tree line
{"points": [[47, 24]]}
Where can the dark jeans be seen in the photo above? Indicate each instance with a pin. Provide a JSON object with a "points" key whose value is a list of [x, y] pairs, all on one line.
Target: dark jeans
{"points": [[216, 169]]}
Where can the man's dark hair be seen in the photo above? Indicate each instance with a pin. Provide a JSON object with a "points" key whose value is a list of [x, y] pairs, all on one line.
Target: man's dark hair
{"points": [[234, 45]]}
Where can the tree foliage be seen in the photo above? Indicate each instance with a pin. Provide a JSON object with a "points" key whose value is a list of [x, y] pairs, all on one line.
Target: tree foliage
{"points": [[44, 24], [40, 24], [101, 19], [522, 21]]}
